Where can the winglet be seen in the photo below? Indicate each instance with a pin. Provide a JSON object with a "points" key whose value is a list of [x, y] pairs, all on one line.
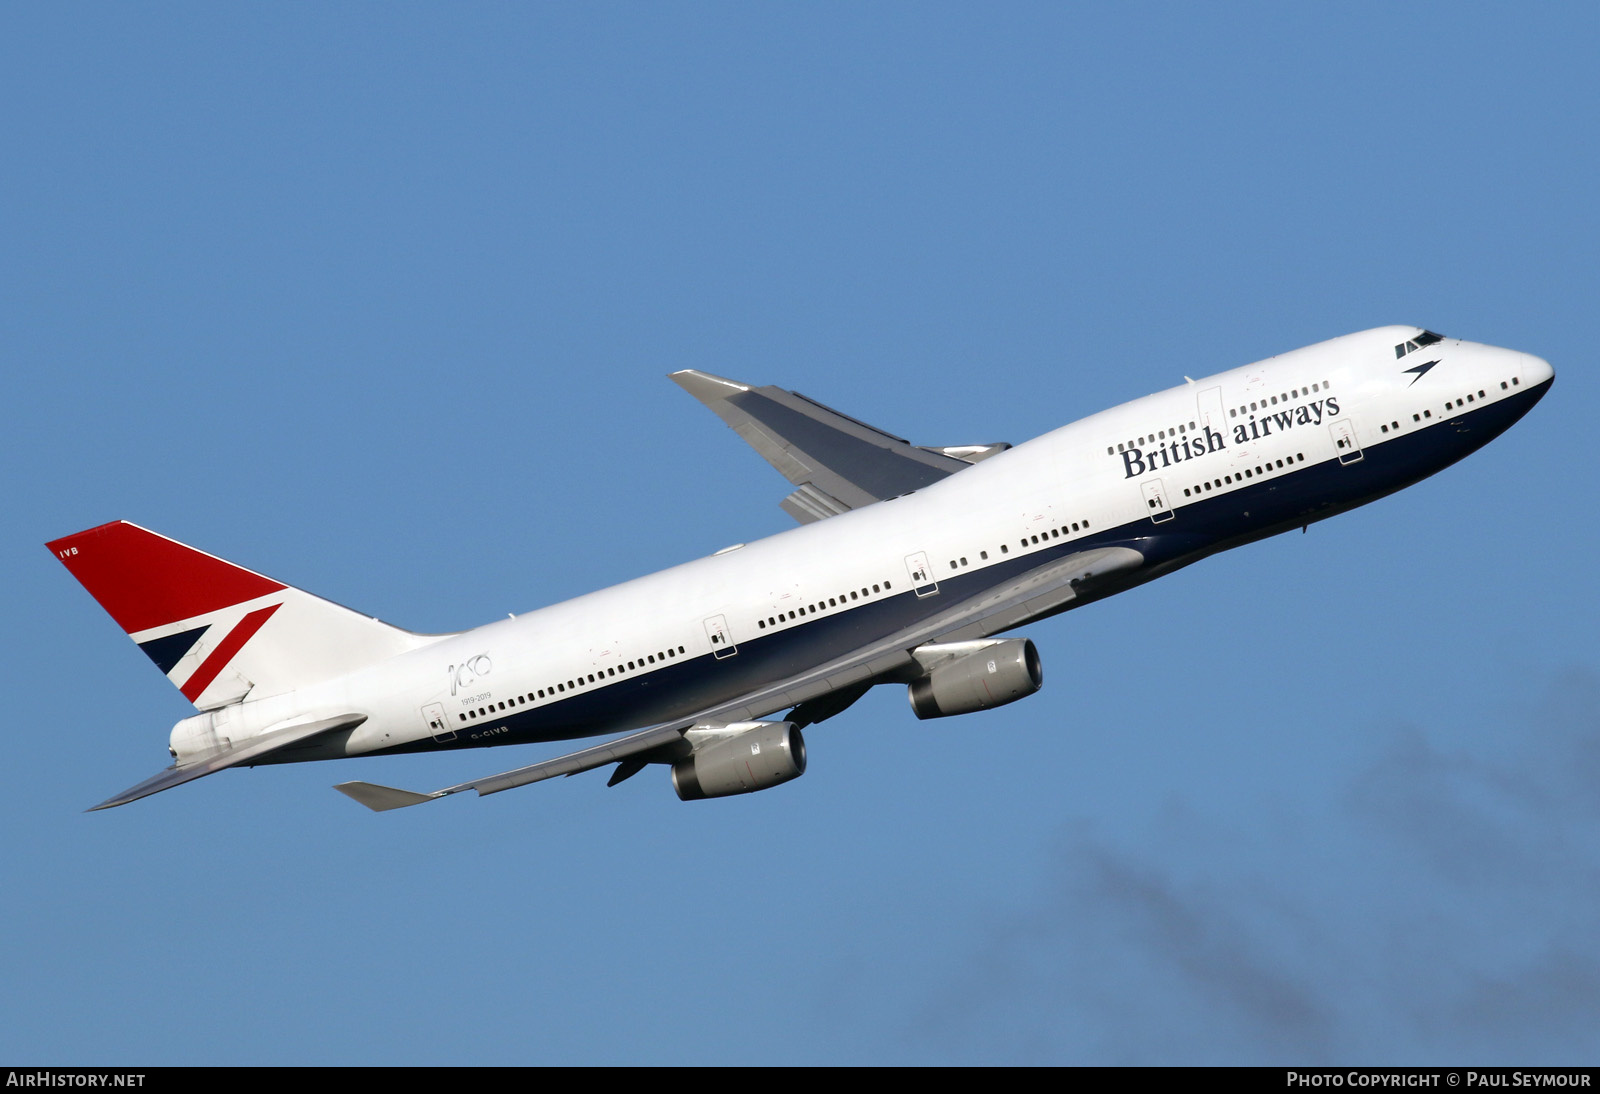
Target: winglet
{"points": [[381, 799]]}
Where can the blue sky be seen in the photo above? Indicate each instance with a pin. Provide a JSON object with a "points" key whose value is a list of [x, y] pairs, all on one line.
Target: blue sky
{"points": [[379, 300]]}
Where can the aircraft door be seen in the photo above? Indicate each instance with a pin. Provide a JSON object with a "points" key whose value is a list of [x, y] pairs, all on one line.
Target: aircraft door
{"points": [[439, 727], [1344, 441], [1155, 501], [717, 634], [922, 580], [1210, 408]]}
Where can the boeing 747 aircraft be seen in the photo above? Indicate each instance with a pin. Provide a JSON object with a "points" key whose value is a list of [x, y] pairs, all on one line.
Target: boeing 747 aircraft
{"points": [[908, 562]]}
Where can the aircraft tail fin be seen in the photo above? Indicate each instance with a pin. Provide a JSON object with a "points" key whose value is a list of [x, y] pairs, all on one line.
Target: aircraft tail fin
{"points": [[218, 631]]}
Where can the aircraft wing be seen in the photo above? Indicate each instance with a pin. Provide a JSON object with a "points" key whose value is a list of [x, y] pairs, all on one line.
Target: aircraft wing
{"points": [[837, 462], [1040, 592], [248, 752]]}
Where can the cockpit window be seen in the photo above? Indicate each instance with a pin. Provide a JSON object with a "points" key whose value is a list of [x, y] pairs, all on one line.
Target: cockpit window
{"points": [[1426, 338]]}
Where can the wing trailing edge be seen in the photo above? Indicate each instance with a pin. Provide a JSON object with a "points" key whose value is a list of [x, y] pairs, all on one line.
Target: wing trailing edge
{"points": [[380, 799]]}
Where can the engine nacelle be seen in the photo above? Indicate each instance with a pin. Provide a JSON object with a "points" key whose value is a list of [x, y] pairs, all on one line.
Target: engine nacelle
{"points": [[962, 677], [741, 762]]}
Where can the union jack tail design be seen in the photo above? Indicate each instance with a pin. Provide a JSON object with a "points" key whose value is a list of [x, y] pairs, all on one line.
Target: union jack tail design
{"points": [[220, 632]]}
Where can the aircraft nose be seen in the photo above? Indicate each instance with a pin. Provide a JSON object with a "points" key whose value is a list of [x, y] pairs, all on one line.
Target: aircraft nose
{"points": [[1536, 370]]}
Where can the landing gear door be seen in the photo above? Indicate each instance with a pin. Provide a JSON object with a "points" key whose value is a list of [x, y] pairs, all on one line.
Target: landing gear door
{"points": [[1155, 500], [922, 581], [1344, 441], [717, 634]]}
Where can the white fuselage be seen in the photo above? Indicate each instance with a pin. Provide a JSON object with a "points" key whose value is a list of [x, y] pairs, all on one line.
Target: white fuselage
{"points": [[1179, 475]]}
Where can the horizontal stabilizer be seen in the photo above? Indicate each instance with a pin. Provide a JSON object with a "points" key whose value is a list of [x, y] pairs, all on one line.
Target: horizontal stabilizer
{"points": [[252, 750], [837, 462]]}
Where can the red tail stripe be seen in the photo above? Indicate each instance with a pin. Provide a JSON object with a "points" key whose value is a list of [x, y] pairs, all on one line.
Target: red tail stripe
{"points": [[219, 658], [145, 580]]}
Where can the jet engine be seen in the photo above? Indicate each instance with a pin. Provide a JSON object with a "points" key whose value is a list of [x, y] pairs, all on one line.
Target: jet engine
{"points": [[741, 762], [961, 677]]}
